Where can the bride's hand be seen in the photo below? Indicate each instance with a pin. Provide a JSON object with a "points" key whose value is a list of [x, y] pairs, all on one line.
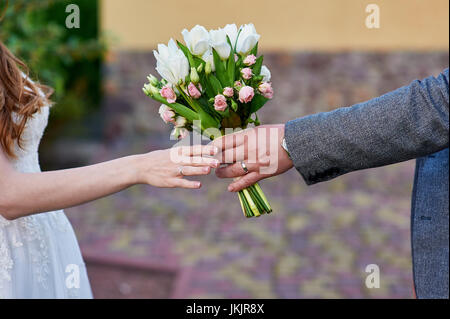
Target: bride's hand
{"points": [[166, 168], [71, 187]]}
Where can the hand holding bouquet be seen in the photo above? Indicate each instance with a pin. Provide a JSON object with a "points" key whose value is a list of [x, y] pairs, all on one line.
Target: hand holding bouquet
{"points": [[213, 82]]}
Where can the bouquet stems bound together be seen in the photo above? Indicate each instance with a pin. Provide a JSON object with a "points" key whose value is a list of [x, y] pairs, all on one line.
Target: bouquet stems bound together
{"points": [[216, 81]]}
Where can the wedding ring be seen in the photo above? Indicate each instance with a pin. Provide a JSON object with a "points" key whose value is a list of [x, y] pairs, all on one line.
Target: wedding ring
{"points": [[180, 171], [244, 167]]}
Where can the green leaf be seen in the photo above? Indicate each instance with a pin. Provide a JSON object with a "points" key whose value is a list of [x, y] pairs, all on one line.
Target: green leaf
{"points": [[220, 69], [198, 61], [234, 105], [206, 85], [231, 69], [254, 51], [187, 53], [225, 113], [257, 66], [257, 103], [237, 38], [231, 45], [239, 62], [182, 110], [207, 120], [209, 89], [256, 121], [215, 84], [207, 106]]}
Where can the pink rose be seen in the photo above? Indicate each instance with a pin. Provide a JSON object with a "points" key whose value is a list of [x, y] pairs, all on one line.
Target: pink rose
{"points": [[247, 73], [220, 103], [250, 60], [168, 93], [237, 85], [166, 113], [168, 116], [266, 90], [246, 94], [228, 92], [193, 91]]}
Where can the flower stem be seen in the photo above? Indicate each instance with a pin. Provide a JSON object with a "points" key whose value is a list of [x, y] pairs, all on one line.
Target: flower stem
{"points": [[242, 204], [251, 203], [254, 202], [263, 197], [257, 199]]}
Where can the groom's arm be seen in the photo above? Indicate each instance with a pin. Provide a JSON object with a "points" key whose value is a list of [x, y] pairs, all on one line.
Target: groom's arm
{"points": [[407, 123]]}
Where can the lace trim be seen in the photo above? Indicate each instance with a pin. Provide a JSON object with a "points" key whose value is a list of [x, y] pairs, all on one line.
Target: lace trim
{"points": [[39, 257]]}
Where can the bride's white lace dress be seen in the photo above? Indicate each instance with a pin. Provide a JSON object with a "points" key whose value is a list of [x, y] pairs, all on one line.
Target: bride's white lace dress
{"points": [[39, 254]]}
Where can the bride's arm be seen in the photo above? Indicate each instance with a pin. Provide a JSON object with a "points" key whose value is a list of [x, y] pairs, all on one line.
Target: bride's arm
{"points": [[23, 194]]}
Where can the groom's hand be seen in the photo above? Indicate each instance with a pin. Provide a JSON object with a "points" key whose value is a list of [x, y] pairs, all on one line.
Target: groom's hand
{"points": [[258, 149]]}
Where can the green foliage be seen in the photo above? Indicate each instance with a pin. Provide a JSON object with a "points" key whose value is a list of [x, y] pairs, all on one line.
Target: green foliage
{"points": [[257, 103], [258, 65], [216, 85], [231, 69], [254, 51], [66, 59], [220, 69], [187, 53]]}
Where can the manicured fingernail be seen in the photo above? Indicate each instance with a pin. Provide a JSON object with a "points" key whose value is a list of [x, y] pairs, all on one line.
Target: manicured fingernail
{"points": [[206, 169], [198, 184], [230, 188], [216, 163]]}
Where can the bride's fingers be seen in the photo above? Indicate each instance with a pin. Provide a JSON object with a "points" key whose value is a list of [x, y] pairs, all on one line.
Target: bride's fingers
{"points": [[232, 140], [198, 150], [184, 183], [232, 155], [194, 171], [200, 161]]}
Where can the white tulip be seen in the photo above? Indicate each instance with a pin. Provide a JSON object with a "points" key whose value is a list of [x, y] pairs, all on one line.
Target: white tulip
{"points": [[197, 40], [219, 43], [247, 39], [232, 31], [171, 63], [208, 57], [265, 72]]}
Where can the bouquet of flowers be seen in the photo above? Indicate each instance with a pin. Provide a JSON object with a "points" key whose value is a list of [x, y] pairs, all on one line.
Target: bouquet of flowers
{"points": [[213, 82]]}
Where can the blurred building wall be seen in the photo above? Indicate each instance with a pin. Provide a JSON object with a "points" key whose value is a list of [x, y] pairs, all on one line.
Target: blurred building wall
{"points": [[291, 25]]}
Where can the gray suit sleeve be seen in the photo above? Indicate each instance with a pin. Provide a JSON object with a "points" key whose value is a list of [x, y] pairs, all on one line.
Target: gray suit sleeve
{"points": [[407, 123]]}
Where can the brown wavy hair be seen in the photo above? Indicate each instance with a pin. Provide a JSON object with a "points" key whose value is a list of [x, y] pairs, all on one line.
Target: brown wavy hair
{"points": [[19, 96]]}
